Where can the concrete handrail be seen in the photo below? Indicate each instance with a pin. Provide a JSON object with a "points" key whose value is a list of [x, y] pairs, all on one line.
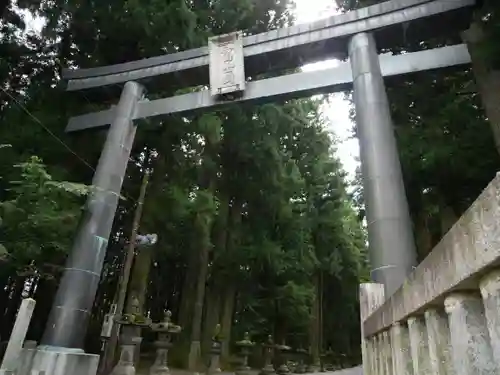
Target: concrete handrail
{"points": [[444, 318], [466, 252]]}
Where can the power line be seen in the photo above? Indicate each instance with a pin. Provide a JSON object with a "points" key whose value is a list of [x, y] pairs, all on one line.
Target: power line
{"points": [[47, 129], [39, 122]]}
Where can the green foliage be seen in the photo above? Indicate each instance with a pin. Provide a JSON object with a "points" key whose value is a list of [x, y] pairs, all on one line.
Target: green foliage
{"points": [[39, 217], [489, 17]]}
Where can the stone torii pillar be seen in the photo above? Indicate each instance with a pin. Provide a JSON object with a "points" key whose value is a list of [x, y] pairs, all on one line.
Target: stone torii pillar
{"points": [[392, 245], [61, 350]]}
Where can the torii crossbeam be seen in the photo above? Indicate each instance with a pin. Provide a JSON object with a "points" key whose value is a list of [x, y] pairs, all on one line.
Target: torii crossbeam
{"points": [[392, 23]]}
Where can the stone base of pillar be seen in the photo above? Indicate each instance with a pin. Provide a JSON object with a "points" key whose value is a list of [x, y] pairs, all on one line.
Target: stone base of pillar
{"points": [[130, 342], [283, 369], [245, 371], [214, 366], [126, 363], [315, 367], [194, 355], [24, 361], [160, 367], [58, 361], [471, 349], [301, 368], [267, 370]]}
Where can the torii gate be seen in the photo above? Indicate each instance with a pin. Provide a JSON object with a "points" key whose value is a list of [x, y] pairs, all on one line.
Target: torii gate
{"points": [[354, 35]]}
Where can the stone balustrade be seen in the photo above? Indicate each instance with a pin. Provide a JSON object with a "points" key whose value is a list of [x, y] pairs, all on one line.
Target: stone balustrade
{"points": [[445, 318]]}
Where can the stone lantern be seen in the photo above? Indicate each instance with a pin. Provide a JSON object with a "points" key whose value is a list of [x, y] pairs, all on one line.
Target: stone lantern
{"points": [[269, 347], [215, 351], [131, 325], [244, 345], [165, 330], [282, 350]]}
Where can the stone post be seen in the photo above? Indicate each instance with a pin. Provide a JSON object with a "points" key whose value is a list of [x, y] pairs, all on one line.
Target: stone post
{"points": [[487, 78], [130, 338], [215, 351], [301, 367], [370, 366], [371, 297], [269, 346], [381, 355], [244, 346], [386, 348], [401, 352], [438, 333], [390, 234], [26, 358], [12, 354], [419, 345], [283, 367], [490, 291], [314, 364], [471, 350]]}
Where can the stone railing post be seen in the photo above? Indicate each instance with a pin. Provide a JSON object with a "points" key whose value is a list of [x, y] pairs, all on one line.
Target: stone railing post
{"points": [[470, 342], [419, 345], [379, 355], [371, 296], [401, 356], [490, 291], [438, 333], [387, 353]]}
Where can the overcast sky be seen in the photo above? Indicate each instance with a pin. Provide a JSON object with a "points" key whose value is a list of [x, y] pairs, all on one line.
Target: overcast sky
{"points": [[337, 111]]}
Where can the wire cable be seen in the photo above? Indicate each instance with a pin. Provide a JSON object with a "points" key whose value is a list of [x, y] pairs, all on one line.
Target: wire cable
{"points": [[37, 120], [59, 140]]}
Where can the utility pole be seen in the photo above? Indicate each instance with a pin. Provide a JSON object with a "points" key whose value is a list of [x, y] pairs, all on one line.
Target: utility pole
{"points": [[109, 352]]}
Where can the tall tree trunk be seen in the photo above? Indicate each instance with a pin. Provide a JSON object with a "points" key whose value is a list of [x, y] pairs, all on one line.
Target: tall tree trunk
{"points": [[315, 323], [197, 272], [203, 231], [229, 297], [139, 279], [280, 326], [487, 79], [448, 218], [139, 275], [228, 304], [188, 296], [423, 236], [215, 287], [138, 285], [212, 314], [196, 277]]}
